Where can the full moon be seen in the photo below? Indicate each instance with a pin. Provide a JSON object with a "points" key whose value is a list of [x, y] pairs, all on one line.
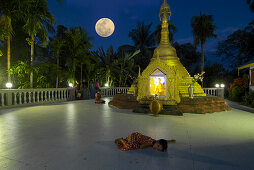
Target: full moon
{"points": [[104, 27]]}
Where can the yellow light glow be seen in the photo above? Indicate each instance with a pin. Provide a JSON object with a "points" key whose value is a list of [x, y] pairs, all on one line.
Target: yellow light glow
{"points": [[157, 86]]}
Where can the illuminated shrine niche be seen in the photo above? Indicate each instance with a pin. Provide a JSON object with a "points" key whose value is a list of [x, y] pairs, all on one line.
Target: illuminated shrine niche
{"points": [[158, 83]]}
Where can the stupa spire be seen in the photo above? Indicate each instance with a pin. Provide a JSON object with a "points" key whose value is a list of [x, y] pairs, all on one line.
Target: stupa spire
{"points": [[164, 15], [165, 51]]}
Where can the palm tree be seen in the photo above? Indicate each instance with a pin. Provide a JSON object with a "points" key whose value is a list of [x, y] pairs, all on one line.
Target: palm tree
{"points": [[143, 38], [157, 33], [78, 44], [37, 21], [86, 60], [125, 65], [251, 4], [107, 62], [57, 46], [9, 11], [202, 28]]}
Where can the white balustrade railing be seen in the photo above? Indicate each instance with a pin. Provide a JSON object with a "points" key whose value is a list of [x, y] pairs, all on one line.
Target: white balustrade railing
{"points": [[15, 97], [111, 91], [214, 91]]}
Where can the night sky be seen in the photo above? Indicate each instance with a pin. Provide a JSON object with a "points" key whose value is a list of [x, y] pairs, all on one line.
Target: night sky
{"points": [[229, 15]]}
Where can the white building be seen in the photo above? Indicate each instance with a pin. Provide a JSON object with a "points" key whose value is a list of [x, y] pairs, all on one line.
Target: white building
{"points": [[249, 65]]}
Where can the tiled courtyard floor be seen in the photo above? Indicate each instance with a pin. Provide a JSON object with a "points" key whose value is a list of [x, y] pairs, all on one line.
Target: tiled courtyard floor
{"points": [[80, 135]]}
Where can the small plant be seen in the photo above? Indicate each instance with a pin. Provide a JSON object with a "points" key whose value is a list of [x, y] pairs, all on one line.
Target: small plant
{"points": [[248, 99], [237, 94], [238, 82]]}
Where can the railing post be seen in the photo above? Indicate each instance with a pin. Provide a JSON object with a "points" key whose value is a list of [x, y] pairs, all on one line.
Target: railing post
{"points": [[15, 98], [49, 95], [45, 95], [29, 97], [25, 101], [33, 93], [54, 95], [38, 96], [20, 98], [2, 96]]}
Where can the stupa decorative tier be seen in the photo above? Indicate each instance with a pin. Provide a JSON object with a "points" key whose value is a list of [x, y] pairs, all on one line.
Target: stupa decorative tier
{"points": [[165, 75]]}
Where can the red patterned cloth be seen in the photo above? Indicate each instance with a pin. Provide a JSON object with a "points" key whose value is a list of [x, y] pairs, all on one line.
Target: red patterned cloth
{"points": [[134, 141]]}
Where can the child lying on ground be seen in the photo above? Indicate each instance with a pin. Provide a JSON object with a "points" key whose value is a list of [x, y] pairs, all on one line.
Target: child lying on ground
{"points": [[138, 141]]}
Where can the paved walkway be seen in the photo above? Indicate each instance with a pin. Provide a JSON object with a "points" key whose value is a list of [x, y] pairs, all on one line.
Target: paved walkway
{"points": [[80, 135], [239, 107]]}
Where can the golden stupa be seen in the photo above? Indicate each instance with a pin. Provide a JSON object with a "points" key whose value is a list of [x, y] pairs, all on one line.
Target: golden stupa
{"points": [[165, 75]]}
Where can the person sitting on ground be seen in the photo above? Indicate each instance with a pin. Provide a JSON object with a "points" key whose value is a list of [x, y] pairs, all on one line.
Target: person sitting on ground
{"points": [[138, 141], [98, 98]]}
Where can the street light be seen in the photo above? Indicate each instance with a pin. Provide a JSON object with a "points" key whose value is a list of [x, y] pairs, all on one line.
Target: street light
{"points": [[106, 85], [70, 85], [217, 85], [8, 85], [222, 85]]}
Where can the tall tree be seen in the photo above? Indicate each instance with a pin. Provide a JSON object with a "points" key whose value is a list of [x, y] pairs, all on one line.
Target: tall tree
{"points": [[107, 62], [215, 74], [38, 21], [202, 28], [125, 65], [251, 4], [143, 39], [157, 33], [9, 11], [78, 44], [57, 46], [188, 56], [238, 48]]}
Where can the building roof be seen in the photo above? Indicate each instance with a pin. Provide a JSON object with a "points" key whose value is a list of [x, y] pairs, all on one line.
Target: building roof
{"points": [[249, 64]]}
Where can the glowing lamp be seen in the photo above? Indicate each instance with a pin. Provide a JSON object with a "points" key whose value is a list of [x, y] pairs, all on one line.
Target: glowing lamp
{"points": [[222, 85], [217, 85], [8, 85], [106, 85], [70, 85]]}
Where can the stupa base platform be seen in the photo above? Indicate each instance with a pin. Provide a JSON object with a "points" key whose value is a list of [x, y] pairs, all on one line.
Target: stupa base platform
{"points": [[201, 105], [124, 101], [167, 110], [197, 105]]}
